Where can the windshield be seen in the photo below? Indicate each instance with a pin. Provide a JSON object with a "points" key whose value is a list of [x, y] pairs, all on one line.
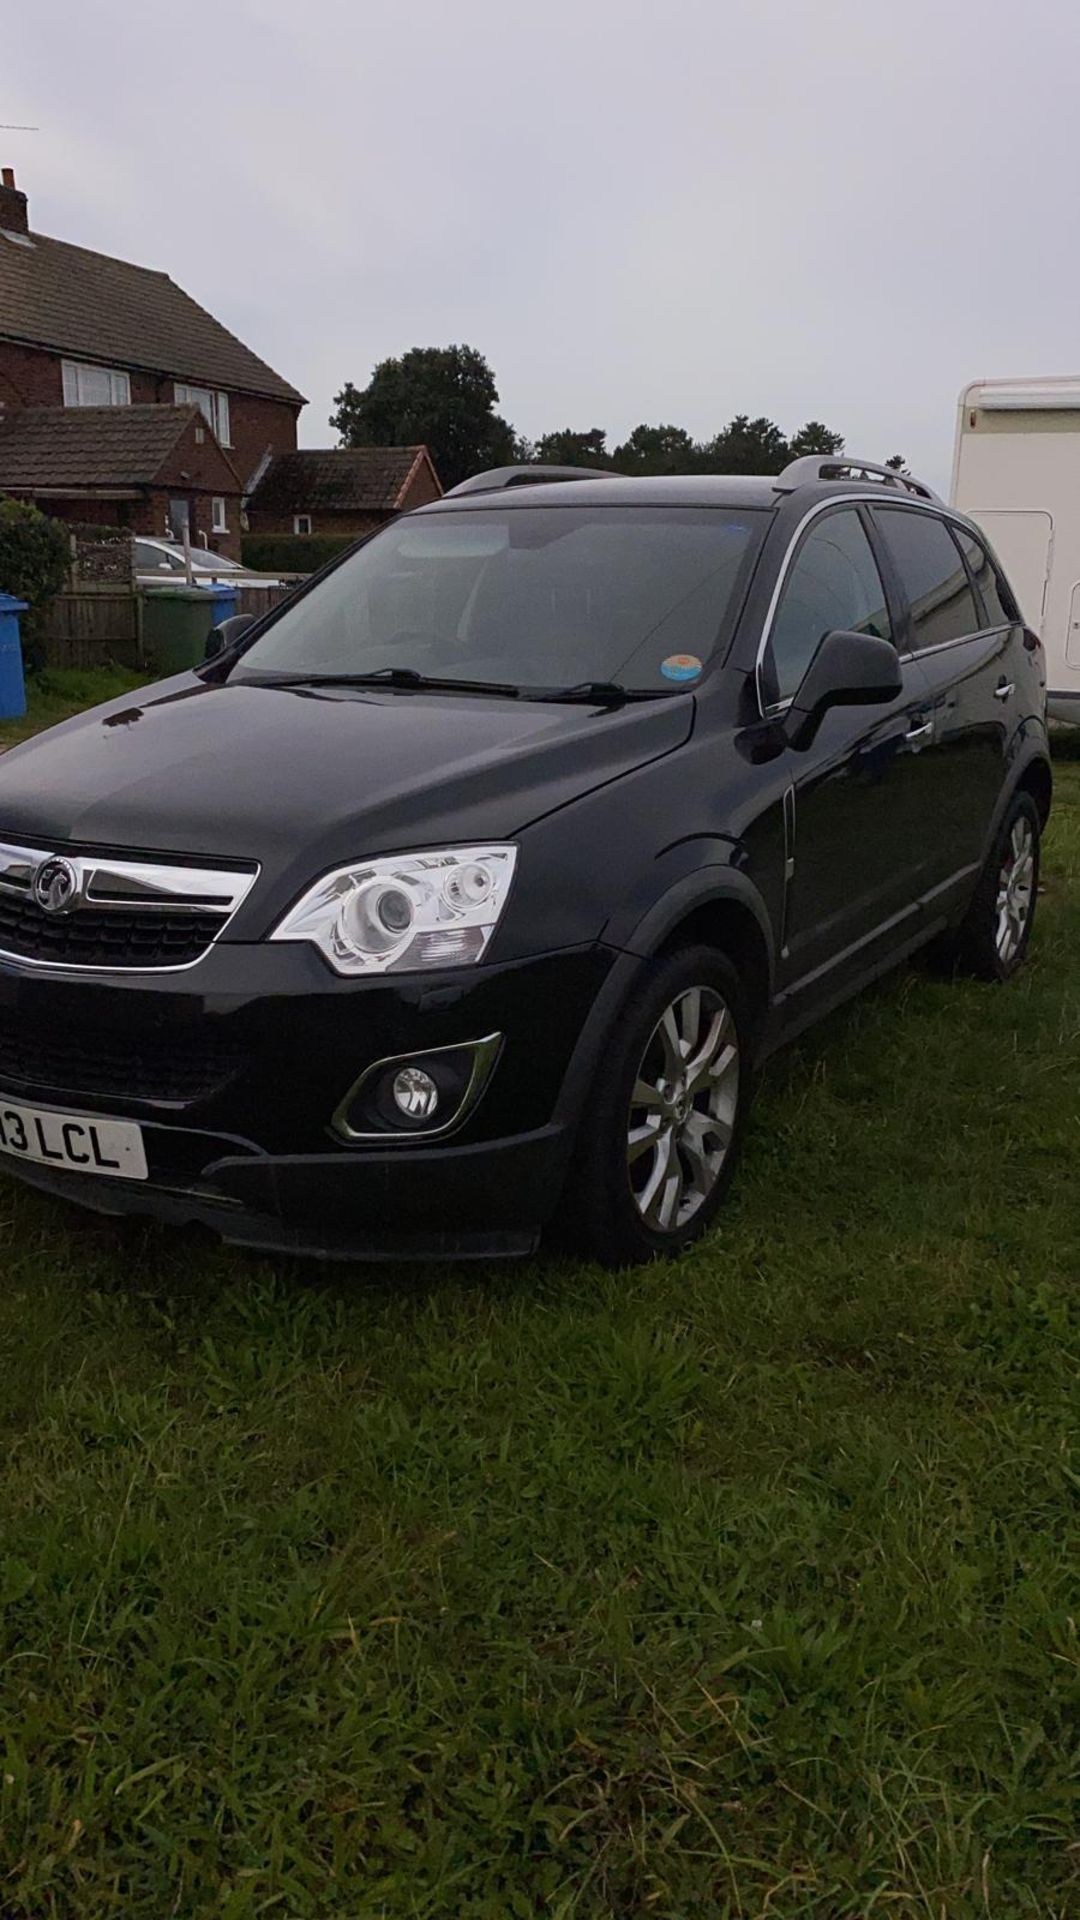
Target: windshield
{"points": [[171, 559], [536, 597]]}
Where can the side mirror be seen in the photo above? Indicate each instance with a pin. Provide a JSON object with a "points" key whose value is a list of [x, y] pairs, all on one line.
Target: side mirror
{"points": [[220, 639], [848, 670]]}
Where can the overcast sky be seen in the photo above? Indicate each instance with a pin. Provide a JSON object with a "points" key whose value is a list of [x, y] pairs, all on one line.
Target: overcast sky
{"points": [[660, 210]]}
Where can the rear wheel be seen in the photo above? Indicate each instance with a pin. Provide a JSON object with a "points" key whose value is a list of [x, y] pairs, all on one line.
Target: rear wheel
{"points": [[661, 1132], [993, 938]]}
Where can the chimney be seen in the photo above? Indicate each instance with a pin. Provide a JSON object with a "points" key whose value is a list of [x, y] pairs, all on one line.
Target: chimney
{"points": [[13, 214]]}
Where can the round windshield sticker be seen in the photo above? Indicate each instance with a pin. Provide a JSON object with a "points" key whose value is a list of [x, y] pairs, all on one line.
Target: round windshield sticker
{"points": [[681, 666]]}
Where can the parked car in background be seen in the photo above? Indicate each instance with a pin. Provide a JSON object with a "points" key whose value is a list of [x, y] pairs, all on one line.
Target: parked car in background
{"points": [[1016, 473], [162, 563], [464, 892]]}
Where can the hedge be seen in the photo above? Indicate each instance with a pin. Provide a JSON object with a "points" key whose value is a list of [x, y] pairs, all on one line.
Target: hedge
{"points": [[34, 553], [292, 552], [34, 556]]}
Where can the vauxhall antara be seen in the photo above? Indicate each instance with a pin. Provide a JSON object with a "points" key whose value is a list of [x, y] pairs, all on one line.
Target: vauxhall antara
{"points": [[461, 895]]}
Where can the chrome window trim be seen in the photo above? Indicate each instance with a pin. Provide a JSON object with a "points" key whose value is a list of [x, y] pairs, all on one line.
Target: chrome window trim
{"points": [[154, 886], [485, 1054], [867, 497], [961, 640]]}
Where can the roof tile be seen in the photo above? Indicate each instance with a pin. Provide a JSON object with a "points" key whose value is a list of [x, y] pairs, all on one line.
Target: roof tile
{"points": [[94, 307], [336, 479], [89, 446]]}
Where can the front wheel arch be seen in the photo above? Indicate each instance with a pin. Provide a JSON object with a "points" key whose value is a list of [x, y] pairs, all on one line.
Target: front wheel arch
{"points": [[600, 1214], [731, 928], [718, 905]]}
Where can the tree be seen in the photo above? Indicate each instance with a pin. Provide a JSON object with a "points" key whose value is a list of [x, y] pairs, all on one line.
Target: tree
{"points": [[441, 397], [815, 438], [898, 463], [746, 446], [656, 450], [569, 449]]}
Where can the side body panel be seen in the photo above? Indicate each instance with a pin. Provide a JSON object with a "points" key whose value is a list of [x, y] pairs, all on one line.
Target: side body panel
{"points": [[861, 815]]}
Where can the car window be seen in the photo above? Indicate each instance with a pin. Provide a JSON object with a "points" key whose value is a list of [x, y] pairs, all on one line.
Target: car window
{"points": [[540, 597], [997, 599], [148, 556], [833, 583], [932, 575]]}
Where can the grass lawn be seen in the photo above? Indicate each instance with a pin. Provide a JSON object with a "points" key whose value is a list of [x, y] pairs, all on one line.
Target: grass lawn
{"points": [[60, 692], [745, 1585]]}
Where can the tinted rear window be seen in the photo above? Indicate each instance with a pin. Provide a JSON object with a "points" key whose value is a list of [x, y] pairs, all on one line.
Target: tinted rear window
{"points": [[996, 597], [932, 574]]}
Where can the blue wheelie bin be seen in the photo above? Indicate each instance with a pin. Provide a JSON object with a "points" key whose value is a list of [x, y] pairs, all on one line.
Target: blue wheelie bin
{"points": [[224, 599], [12, 683]]}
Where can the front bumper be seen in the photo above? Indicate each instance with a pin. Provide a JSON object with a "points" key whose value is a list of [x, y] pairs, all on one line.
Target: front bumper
{"points": [[235, 1069]]}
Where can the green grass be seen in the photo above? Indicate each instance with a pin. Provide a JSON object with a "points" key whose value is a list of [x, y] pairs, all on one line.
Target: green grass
{"points": [[745, 1585], [62, 691]]}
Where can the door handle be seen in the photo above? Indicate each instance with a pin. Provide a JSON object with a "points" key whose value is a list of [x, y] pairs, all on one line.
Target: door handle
{"points": [[923, 732], [1003, 691]]}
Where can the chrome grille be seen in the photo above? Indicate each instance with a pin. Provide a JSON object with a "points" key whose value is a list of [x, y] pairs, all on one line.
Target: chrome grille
{"points": [[115, 914]]}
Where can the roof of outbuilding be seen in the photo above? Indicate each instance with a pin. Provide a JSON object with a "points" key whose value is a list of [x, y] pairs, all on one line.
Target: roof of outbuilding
{"points": [[89, 446], [339, 479], [96, 308]]}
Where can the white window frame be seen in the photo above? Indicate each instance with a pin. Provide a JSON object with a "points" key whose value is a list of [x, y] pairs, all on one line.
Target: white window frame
{"points": [[297, 518], [218, 520], [213, 404], [79, 377]]}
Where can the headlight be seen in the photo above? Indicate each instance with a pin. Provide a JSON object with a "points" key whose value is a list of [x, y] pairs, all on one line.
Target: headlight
{"points": [[401, 913]]}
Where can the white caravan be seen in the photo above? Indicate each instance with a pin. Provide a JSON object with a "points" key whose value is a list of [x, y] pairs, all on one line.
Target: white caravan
{"points": [[1016, 471]]}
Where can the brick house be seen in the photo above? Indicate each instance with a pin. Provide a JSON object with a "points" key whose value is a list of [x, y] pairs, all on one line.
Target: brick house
{"points": [[342, 489], [80, 331], [123, 466]]}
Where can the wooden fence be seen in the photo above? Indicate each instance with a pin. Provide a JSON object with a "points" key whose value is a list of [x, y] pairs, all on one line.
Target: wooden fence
{"points": [[96, 626], [259, 600], [91, 627]]}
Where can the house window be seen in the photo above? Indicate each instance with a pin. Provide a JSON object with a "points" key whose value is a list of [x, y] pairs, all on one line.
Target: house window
{"points": [[95, 386], [214, 405], [179, 521], [301, 523], [218, 523]]}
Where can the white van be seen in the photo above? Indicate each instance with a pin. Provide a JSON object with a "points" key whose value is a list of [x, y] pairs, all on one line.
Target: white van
{"points": [[1016, 471]]}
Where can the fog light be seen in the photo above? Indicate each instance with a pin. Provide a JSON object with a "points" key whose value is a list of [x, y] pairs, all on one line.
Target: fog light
{"points": [[415, 1093]]}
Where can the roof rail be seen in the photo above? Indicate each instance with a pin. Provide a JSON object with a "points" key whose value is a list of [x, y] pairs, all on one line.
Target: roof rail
{"points": [[524, 476], [841, 466]]}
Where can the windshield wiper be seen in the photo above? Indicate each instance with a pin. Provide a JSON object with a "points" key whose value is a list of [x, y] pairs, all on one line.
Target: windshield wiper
{"points": [[409, 677], [606, 693]]}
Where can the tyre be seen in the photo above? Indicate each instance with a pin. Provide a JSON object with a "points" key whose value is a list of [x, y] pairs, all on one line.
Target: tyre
{"points": [[993, 937], [661, 1130]]}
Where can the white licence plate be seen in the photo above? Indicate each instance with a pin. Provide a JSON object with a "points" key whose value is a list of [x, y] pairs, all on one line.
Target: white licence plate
{"points": [[73, 1140]]}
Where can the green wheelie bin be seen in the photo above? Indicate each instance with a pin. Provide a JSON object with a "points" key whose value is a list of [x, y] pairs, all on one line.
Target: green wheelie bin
{"points": [[176, 621]]}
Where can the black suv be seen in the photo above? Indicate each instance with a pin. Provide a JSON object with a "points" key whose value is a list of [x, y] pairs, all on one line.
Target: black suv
{"points": [[463, 892]]}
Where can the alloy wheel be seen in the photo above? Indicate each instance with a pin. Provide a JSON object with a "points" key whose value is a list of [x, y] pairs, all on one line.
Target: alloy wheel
{"points": [[1015, 892], [682, 1109]]}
